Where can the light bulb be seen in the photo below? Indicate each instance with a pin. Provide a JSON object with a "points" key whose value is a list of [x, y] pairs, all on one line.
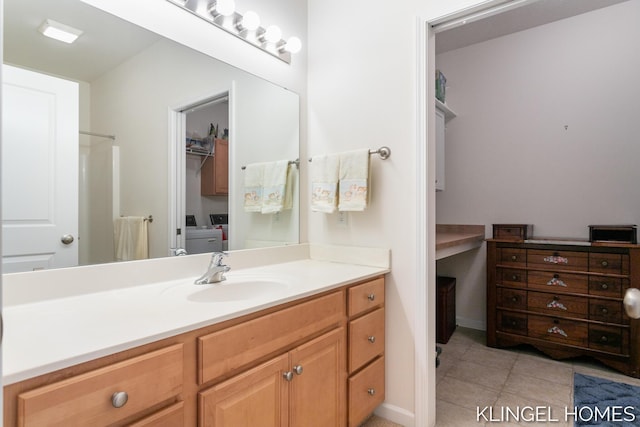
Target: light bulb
{"points": [[225, 7], [273, 34], [250, 21], [293, 45]]}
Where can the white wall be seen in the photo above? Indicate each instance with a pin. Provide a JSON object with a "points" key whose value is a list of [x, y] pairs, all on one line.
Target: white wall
{"points": [[509, 157]]}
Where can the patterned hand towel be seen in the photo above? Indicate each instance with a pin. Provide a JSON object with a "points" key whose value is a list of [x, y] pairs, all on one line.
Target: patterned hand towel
{"points": [[253, 182], [273, 188], [324, 183], [354, 180]]}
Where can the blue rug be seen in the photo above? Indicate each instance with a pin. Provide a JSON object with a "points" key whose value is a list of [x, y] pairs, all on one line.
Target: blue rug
{"points": [[600, 402]]}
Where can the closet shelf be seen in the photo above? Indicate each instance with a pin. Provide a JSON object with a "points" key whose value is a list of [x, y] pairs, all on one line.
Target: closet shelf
{"points": [[448, 112]]}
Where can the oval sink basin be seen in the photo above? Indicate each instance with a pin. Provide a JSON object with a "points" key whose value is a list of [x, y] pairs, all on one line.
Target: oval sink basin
{"points": [[237, 290]]}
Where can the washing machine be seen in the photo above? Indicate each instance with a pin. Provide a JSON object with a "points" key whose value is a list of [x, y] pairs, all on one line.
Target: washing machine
{"points": [[202, 240], [221, 221]]}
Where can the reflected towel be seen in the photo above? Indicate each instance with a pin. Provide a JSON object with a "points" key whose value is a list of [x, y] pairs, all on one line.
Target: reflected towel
{"points": [[324, 182], [253, 181], [354, 180], [292, 171], [131, 239], [273, 189]]}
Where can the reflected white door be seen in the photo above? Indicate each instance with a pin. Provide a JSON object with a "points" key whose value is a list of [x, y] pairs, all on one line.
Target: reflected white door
{"points": [[39, 171]]}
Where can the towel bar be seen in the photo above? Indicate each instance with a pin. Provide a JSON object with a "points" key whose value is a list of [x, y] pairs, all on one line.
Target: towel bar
{"points": [[291, 162], [383, 152]]}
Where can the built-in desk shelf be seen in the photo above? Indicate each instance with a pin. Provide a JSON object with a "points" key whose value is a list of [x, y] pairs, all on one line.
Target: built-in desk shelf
{"points": [[448, 112], [452, 239]]}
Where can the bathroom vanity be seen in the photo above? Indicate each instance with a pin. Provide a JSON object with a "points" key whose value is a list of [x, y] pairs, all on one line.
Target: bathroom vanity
{"points": [[297, 343]]}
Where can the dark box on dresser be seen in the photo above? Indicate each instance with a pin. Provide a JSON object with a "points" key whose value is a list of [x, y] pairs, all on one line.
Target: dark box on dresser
{"points": [[515, 232]]}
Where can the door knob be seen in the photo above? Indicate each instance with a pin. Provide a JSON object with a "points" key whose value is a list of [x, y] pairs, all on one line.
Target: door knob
{"points": [[67, 239], [632, 303]]}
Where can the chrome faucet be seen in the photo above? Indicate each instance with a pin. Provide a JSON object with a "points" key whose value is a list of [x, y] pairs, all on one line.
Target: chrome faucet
{"points": [[215, 271]]}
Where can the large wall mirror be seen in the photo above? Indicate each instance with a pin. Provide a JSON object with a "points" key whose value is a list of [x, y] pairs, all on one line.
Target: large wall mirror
{"points": [[141, 100]]}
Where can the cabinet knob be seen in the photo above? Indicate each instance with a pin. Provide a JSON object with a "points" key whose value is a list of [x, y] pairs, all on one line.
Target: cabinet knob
{"points": [[514, 257], [371, 297], [298, 369], [119, 399], [604, 338], [371, 339], [604, 310], [604, 286], [514, 298], [604, 263], [288, 375], [515, 278], [371, 391]]}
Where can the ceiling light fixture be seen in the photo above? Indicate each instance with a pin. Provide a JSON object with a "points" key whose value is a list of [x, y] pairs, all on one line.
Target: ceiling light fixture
{"points": [[222, 14], [58, 31]]}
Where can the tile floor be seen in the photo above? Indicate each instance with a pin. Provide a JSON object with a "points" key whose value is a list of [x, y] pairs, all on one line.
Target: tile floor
{"points": [[472, 375]]}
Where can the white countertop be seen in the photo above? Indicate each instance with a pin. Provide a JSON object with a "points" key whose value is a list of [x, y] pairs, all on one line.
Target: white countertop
{"points": [[46, 335]]}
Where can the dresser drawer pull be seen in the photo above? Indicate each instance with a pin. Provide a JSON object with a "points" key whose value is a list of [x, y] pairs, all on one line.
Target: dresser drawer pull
{"points": [[119, 399], [515, 298], [555, 303], [556, 281], [604, 310], [604, 263], [371, 297], [514, 257], [556, 259], [604, 286], [371, 391], [514, 323], [371, 339], [515, 278], [557, 331]]}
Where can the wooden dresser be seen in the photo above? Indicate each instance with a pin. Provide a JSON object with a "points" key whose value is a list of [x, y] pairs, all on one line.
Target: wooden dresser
{"points": [[564, 299]]}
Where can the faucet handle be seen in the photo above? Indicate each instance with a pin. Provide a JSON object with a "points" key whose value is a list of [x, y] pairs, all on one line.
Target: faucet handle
{"points": [[216, 258]]}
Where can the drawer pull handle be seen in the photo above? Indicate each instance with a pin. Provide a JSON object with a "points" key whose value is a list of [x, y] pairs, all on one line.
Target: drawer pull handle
{"points": [[604, 286], [515, 298], [371, 339], [557, 331], [119, 399], [371, 391], [514, 323], [288, 375], [555, 303], [297, 369], [371, 297], [514, 257], [515, 278], [604, 310], [604, 338], [556, 282], [556, 259]]}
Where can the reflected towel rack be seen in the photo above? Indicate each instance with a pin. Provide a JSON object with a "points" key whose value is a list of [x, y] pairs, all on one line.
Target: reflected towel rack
{"points": [[101, 135], [147, 218], [383, 152], [291, 162]]}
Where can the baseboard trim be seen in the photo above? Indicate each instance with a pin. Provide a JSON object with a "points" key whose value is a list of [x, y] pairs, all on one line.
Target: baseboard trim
{"points": [[471, 323], [396, 414]]}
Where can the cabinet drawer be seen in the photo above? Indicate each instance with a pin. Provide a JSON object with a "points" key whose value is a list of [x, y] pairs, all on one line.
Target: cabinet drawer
{"points": [[558, 260], [609, 263], [607, 286], [366, 391], [512, 298], [513, 278], [363, 297], [558, 330], [173, 416], [558, 304], [563, 282], [512, 322], [611, 339], [512, 257], [605, 311], [366, 338], [86, 399], [237, 346]]}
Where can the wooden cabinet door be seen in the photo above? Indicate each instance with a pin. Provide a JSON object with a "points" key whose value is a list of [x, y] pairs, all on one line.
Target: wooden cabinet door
{"points": [[318, 387], [257, 397], [214, 175]]}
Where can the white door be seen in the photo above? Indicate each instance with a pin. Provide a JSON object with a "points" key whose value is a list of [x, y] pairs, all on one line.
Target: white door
{"points": [[39, 171]]}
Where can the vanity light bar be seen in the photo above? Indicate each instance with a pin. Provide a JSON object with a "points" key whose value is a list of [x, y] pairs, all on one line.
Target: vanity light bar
{"points": [[222, 14]]}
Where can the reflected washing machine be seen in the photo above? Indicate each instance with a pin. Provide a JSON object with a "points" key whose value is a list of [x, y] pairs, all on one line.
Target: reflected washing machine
{"points": [[202, 240], [221, 221]]}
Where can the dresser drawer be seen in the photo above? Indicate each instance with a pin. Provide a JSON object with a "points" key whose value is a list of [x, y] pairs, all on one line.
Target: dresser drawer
{"points": [[558, 304], [87, 399], [366, 391], [363, 297], [609, 263], [514, 323], [512, 257], [366, 338], [607, 286], [237, 346], [563, 282], [512, 298], [606, 311], [611, 339], [558, 330], [512, 277], [558, 260], [173, 416]]}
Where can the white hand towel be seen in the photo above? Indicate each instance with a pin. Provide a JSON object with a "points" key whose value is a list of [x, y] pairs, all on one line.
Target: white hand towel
{"points": [[253, 182], [354, 180], [324, 183], [292, 171], [273, 189], [131, 238]]}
